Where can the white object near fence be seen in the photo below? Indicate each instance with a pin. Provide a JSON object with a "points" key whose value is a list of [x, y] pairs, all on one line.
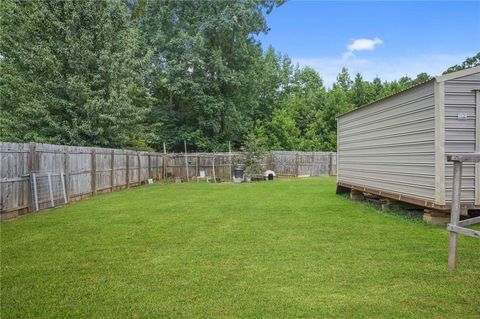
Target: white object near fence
{"points": [[48, 190], [269, 175], [201, 175]]}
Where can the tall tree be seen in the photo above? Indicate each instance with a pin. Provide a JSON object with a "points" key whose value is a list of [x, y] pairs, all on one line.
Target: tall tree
{"points": [[204, 65], [344, 81], [360, 91], [72, 73], [376, 88], [272, 83], [337, 102]]}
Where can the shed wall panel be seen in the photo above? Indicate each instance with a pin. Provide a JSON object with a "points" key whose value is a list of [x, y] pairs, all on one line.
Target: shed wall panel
{"points": [[390, 145], [460, 113]]}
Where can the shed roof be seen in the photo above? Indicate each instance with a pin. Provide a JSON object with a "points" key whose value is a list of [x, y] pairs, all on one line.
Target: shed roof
{"points": [[438, 79]]}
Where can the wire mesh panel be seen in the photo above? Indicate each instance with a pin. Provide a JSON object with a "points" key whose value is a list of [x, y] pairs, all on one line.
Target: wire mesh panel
{"points": [[48, 190]]}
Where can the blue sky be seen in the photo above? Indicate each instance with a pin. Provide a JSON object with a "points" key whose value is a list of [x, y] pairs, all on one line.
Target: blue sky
{"points": [[385, 38]]}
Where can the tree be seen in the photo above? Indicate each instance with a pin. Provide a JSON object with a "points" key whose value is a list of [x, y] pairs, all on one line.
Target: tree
{"points": [[468, 63], [337, 102], [343, 80], [305, 96], [283, 132], [421, 77], [255, 151], [139, 73], [360, 93], [204, 68], [272, 82], [72, 73], [376, 88]]}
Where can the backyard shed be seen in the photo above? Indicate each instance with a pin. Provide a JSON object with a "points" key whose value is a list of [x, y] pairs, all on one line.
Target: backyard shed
{"points": [[395, 147]]}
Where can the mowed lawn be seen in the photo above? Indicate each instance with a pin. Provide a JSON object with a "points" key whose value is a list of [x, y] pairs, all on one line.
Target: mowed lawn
{"points": [[283, 249]]}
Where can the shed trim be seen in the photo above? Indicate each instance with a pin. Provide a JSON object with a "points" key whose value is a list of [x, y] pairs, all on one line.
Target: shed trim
{"points": [[458, 74], [439, 92], [405, 198], [387, 97], [437, 79], [338, 149], [477, 146]]}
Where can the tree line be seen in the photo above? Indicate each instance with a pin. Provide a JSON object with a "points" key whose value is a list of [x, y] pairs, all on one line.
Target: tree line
{"points": [[137, 73]]}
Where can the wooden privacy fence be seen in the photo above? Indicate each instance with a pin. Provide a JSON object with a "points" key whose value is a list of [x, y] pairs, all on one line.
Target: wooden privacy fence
{"points": [[284, 163], [87, 171]]}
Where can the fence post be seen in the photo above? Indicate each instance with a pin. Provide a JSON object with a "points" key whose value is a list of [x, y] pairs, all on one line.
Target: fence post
{"points": [[50, 189], [32, 167], [197, 172], [296, 164], [33, 163], [272, 162], [186, 160], [312, 165], [455, 213], [112, 170], [64, 189], [139, 169], [164, 161], [230, 161], [35, 194], [330, 164], [127, 179], [213, 168], [66, 169], [94, 171], [149, 165]]}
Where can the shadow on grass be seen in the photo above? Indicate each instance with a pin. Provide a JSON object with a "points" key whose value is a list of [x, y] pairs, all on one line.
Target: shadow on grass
{"points": [[415, 216]]}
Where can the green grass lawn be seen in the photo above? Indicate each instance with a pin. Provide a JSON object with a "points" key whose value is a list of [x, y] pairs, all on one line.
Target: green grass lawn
{"points": [[283, 249]]}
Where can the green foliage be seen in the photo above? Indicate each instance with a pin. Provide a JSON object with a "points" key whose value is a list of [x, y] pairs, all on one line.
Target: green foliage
{"points": [[468, 63], [206, 66], [283, 131], [255, 151], [360, 91], [73, 72], [138, 73], [343, 80], [306, 115]]}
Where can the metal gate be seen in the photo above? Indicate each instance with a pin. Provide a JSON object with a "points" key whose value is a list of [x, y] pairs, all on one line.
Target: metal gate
{"points": [[48, 190]]}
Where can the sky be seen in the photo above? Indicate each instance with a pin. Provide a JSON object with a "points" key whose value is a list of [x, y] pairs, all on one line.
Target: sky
{"points": [[388, 39]]}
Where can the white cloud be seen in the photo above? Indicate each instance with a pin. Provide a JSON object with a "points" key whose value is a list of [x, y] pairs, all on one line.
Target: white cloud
{"points": [[363, 44], [386, 68]]}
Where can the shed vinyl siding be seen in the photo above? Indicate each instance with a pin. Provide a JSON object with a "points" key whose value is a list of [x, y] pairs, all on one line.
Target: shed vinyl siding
{"points": [[389, 145], [460, 134]]}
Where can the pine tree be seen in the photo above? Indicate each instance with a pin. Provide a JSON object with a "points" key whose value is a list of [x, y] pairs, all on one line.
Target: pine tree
{"points": [[360, 94], [343, 80]]}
